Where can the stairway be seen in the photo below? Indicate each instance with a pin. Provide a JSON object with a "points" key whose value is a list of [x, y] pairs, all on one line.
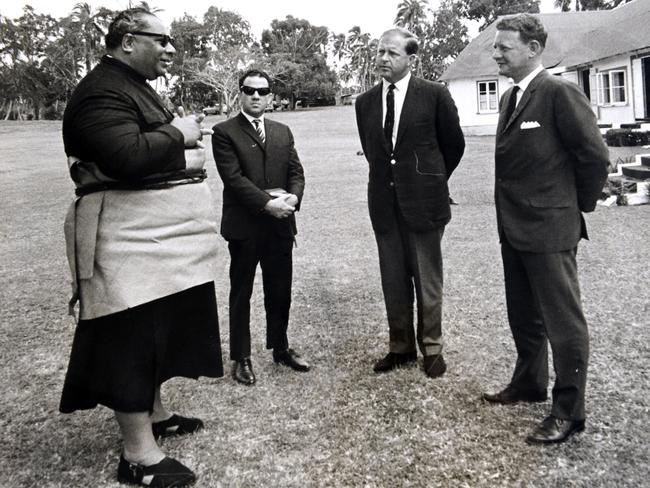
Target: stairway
{"points": [[635, 174], [639, 171]]}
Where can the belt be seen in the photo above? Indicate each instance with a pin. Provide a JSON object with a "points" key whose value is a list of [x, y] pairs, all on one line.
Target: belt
{"points": [[168, 180]]}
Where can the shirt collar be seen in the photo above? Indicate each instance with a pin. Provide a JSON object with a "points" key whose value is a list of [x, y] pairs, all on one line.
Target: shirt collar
{"points": [[400, 85], [523, 84], [251, 118]]}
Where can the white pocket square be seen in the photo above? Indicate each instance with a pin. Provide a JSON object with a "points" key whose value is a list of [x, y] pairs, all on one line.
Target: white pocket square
{"points": [[529, 125]]}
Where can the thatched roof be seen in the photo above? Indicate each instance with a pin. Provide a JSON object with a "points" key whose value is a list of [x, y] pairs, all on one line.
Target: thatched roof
{"points": [[574, 39]]}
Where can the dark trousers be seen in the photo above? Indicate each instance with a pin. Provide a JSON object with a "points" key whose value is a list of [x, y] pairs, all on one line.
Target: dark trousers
{"points": [[274, 254], [543, 299], [411, 268]]}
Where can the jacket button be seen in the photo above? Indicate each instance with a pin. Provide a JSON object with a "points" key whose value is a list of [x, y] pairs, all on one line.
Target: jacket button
{"points": [[392, 161], [391, 183]]}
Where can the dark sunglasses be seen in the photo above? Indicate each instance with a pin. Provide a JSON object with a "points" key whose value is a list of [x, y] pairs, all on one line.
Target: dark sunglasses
{"points": [[163, 38], [250, 91]]}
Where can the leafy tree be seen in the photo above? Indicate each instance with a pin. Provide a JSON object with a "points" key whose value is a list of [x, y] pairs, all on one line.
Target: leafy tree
{"points": [[442, 40], [225, 28], [565, 5], [486, 11], [296, 53], [210, 55], [23, 46]]}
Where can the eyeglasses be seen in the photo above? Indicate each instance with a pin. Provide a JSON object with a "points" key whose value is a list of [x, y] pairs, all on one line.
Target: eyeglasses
{"points": [[250, 91], [163, 38]]}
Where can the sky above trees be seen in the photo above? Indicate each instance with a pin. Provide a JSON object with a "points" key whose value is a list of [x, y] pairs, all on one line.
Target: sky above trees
{"points": [[372, 16]]}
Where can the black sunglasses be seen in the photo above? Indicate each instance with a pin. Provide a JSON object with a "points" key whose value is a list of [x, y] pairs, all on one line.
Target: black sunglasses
{"points": [[250, 91], [163, 38]]}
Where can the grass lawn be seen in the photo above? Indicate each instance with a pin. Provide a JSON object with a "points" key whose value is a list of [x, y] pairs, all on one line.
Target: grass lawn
{"points": [[339, 425]]}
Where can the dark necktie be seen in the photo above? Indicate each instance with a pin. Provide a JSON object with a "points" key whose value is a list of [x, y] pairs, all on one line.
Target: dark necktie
{"points": [[258, 128], [512, 103], [389, 122]]}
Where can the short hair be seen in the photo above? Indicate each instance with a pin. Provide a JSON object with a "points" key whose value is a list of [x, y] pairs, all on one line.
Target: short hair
{"points": [[124, 22], [412, 44], [256, 73], [529, 27]]}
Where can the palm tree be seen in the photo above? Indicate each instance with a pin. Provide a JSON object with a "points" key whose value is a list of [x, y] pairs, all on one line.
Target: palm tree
{"points": [[145, 5], [363, 50], [411, 14], [87, 22]]}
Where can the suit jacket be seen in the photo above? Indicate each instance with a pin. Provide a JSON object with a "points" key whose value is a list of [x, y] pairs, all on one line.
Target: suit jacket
{"points": [[117, 121], [247, 167], [428, 148], [551, 164]]}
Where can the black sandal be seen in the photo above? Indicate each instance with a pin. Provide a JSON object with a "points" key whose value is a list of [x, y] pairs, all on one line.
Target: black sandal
{"points": [[168, 473], [176, 426]]}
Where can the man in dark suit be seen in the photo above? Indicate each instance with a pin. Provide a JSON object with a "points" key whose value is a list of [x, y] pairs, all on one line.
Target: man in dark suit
{"points": [[550, 166], [411, 137], [263, 185]]}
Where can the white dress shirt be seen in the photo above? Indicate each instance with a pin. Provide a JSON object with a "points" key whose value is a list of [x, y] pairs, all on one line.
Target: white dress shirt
{"points": [[523, 84], [399, 94]]}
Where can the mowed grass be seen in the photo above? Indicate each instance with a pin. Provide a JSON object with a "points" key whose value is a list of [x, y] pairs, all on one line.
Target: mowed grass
{"points": [[339, 425]]}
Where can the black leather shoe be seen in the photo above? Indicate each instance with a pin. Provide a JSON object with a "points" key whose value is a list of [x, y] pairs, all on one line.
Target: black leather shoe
{"points": [[242, 372], [166, 474], [552, 430], [176, 426], [434, 366], [292, 359], [393, 360], [510, 396]]}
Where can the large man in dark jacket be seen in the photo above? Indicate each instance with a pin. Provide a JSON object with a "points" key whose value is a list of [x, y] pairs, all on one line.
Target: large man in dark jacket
{"points": [[263, 182], [550, 167], [411, 137], [142, 243]]}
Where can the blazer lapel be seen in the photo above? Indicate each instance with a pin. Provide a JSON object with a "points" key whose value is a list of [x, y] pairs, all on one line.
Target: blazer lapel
{"points": [[525, 98], [408, 109], [248, 129], [376, 113], [502, 124]]}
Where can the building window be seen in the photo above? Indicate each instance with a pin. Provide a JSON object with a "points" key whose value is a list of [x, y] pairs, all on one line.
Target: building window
{"points": [[611, 87], [488, 100]]}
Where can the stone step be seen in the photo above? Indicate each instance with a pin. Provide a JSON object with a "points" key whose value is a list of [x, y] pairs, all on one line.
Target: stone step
{"points": [[638, 172]]}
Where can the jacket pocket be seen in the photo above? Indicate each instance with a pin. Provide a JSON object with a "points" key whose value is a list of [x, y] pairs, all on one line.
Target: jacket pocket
{"points": [[425, 163]]}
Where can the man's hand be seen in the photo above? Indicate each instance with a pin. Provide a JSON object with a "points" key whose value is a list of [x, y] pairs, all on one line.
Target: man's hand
{"points": [[292, 200], [281, 207], [190, 126], [195, 157]]}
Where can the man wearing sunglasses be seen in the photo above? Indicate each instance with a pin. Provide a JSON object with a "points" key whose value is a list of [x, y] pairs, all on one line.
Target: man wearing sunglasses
{"points": [[142, 245], [263, 184]]}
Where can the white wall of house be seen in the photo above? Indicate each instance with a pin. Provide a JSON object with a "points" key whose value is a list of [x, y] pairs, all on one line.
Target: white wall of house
{"points": [[474, 118], [638, 88], [610, 109]]}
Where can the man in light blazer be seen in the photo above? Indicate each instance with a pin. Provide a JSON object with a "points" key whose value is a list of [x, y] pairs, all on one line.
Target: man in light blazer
{"points": [[550, 167], [411, 137], [263, 184]]}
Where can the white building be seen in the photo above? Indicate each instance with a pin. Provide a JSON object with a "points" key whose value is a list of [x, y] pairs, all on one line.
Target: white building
{"points": [[606, 52]]}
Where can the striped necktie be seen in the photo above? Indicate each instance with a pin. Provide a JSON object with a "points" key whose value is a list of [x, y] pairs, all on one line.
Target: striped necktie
{"points": [[258, 128]]}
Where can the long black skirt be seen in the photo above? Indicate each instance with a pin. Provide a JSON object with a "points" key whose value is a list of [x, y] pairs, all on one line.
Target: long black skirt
{"points": [[120, 359]]}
